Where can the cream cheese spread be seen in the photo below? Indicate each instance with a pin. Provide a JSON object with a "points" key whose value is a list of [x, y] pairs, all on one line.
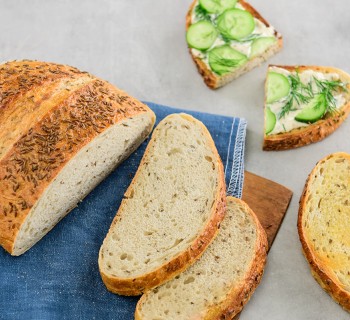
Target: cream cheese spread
{"points": [[260, 30], [288, 122]]}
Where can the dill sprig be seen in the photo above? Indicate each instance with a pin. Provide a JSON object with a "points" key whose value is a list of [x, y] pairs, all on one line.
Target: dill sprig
{"points": [[326, 89], [300, 93], [229, 63], [201, 13]]}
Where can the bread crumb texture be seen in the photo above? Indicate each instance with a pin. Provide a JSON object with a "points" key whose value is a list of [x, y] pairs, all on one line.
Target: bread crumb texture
{"points": [[324, 222], [213, 288], [169, 202]]}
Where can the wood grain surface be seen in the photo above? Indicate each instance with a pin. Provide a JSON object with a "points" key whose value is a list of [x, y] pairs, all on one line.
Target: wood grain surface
{"points": [[269, 200]]}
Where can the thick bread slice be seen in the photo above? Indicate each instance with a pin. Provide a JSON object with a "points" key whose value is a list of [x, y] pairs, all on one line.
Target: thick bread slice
{"points": [[171, 211], [63, 131], [222, 281], [323, 225], [215, 81], [314, 132]]}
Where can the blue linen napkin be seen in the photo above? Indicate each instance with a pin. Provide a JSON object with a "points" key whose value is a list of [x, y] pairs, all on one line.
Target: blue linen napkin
{"points": [[58, 278]]}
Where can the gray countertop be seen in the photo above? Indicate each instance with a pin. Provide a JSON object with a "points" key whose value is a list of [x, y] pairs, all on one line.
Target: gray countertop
{"points": [[140, 47]]}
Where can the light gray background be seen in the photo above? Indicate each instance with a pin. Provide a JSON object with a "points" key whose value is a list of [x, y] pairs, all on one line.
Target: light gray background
{"points": [[140, 47]]}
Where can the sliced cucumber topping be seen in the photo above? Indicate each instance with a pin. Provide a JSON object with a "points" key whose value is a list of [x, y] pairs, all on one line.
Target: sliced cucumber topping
{"points": [[224, 59], [278, 86], [217, 6], [236, 24], [260, 45], [314, 110], [201, 35], [270, 120]]}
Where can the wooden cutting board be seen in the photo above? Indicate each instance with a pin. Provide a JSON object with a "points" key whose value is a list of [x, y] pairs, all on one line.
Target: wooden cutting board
{"points": [[269, 200]]}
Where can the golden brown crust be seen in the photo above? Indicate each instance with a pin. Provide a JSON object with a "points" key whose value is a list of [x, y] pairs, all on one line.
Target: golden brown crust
{"points": [[314, 132], [167, 271], [214, 81], [54, 137], [318, 269], [239, 295]]}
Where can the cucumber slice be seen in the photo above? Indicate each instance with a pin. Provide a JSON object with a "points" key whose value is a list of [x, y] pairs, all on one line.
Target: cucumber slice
{"points": [[217, 6], [224, 59], [260, 45], [201, 35], [270, 120], [314, 110], [236, 24], [278, 86]]}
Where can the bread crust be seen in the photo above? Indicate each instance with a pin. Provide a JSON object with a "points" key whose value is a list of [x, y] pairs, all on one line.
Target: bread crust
{"points": [[314, 132], [55, 135], [318, 269], [214, 81], [239, 295], [167, 271]]}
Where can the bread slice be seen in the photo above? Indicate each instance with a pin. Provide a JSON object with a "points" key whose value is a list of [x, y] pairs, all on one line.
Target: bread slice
{"points": [[222, 281], [323, 225], [214, 80], [62, 131], [170, 212], [308, 133]]}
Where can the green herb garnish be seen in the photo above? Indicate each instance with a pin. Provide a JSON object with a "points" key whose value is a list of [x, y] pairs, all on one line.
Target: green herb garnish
{"points": [[201, 13], [299, 94], [326, 88]]}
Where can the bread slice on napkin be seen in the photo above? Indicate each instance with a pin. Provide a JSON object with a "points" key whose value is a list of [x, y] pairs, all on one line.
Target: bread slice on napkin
{"points": [[62, 132], [323, 225], [227, 38], [222, 281], [303, 104], [170, 212]]}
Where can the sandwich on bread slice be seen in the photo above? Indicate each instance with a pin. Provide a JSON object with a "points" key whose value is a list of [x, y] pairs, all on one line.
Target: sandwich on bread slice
{"points": [[227, 38], [222, 281], [62, 132], [323, 225], [303, 104], [170, 212]]}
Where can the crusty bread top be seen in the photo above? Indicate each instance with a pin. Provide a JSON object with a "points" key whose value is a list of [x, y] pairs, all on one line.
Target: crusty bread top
{"points": [[171, 210], [48, 112], [221, 281], [317, 131], [324, 222]]}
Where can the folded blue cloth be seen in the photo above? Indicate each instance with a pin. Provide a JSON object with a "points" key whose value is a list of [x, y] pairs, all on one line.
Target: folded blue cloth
{"points": [[58, 278]]}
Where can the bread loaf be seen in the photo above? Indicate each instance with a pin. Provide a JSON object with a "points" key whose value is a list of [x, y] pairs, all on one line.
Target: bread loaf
{"points": [[62, 131], [170, 212], [222, 281], [323, 225]]}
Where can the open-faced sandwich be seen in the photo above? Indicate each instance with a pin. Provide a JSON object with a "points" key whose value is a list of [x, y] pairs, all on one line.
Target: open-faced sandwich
{"points": [[227, 38], [303, 104]]}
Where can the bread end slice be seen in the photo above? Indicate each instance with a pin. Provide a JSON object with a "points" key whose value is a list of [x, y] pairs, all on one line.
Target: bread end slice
{"points": [[317, 131], [324, 212], [170, 212], [215, 81], [222, 281]]}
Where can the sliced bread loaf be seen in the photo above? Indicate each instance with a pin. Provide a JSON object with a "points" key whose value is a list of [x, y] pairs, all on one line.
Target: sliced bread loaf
{"points": [[62, 131], [227, 38], [303, 104], [170, 212], [221, 282], [324, 224]]}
